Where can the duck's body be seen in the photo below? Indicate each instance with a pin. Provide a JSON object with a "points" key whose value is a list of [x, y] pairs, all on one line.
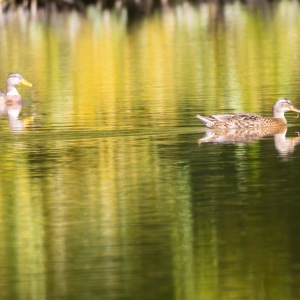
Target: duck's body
{"points": [[240, 120], [248, 120], [13, 80]]}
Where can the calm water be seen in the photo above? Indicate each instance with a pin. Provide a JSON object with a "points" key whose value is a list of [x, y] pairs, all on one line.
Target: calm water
{"points": [[111, 188]]}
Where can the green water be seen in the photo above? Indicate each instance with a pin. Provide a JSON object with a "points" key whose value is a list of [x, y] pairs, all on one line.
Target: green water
{"points": [[110, 188]]}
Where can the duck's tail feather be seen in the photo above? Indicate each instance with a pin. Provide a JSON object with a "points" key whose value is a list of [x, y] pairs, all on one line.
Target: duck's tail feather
{"points": [[206, 121]]}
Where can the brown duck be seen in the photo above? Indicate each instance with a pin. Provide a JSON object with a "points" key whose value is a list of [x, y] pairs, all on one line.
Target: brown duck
{"points": [[248, 120]]}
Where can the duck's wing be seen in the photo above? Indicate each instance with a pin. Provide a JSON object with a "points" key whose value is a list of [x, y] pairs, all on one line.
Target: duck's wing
{"points": [[239, 116], [214, 118], [224, 117], [208, 121], [224, 121], [229, 121]]}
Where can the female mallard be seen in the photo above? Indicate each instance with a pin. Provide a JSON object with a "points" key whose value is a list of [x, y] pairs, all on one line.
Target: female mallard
{"points": [[13, 80], [248, 120]]}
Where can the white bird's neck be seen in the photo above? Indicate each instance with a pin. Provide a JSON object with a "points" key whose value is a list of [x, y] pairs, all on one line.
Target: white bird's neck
{"points": [[12, 91]]}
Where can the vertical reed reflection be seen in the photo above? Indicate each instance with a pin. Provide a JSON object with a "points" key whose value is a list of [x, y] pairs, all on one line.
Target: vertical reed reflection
{"points": [[100, 216], [93, 64]]}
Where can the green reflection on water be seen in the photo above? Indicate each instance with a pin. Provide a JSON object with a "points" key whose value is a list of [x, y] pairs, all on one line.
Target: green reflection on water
{"points": [[106, 192]]}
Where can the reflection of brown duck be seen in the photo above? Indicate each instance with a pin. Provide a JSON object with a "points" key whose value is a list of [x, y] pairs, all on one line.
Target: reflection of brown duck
{"points": [[242, 135], [248, 120], [14, 80], [286, 145], [283, 144]]}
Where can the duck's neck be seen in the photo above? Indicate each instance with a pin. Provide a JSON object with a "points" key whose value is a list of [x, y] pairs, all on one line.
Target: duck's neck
{"points": [[279, 115], [11, 91]]}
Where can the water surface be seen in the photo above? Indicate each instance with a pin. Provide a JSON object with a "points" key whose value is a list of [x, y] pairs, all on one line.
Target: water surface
{"points": [[108, 189]]}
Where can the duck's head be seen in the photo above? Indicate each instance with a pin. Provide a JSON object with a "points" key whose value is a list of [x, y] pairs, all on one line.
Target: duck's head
{"points": [[283, 105], [15, 79]]}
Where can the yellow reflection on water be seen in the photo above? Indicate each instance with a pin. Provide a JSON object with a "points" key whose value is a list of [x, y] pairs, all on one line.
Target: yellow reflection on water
{"points": [[97, 64]]}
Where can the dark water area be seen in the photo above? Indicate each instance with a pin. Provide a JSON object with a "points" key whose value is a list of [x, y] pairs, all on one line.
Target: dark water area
{"points": [[112, 189], [134, 9]]}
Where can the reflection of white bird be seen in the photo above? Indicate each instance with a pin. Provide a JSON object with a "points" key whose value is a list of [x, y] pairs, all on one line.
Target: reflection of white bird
{"points": [[248, 120], [13, 109]]}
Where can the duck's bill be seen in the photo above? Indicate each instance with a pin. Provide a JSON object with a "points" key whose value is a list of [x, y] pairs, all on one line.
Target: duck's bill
{"points": [[26, 83], [295, 109]]}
